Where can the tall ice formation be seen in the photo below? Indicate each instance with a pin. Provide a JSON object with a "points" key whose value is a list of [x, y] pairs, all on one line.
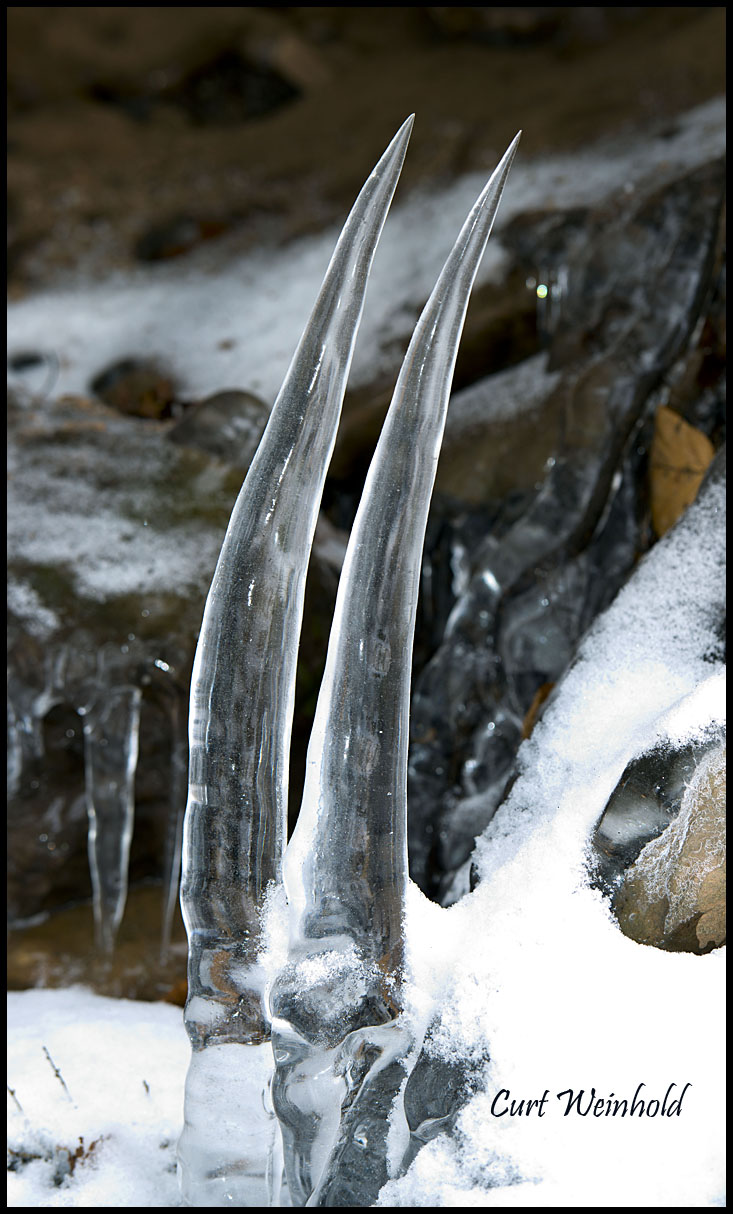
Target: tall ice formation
{"points": [[242, 695], [340, 1047]]}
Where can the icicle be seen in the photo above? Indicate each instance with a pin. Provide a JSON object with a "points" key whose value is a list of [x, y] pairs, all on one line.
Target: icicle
{"points": [[337, 1036], [242, 696], [174, 832], [111, 725], [27, 707]]}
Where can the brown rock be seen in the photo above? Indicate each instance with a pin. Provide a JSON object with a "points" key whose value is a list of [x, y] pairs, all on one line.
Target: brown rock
{"points": [[139, 389], [674, 895]]}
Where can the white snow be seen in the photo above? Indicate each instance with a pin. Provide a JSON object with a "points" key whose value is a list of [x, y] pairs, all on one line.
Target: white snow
{"points": [[124, 1067], [532, 963], [23, 600]]}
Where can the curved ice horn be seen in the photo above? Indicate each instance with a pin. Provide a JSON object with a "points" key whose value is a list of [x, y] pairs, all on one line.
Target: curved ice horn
{"points": [[243, 680], [345, 868]]}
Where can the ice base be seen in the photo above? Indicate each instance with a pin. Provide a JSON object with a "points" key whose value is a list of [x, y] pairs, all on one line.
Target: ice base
{"points": [[230, 1150]]}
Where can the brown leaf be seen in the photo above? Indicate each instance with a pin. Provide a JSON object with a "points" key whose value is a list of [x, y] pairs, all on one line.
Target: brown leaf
{"points": [[532, 712], [680, 456]]}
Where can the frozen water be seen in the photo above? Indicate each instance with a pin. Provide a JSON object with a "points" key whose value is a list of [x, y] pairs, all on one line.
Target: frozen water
{"points": [[345, 868], [174, 834], [111, 727], [242, 694], [230, 1151]]}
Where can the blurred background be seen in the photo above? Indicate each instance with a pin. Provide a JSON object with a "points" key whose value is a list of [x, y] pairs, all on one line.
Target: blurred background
{"points": [[155, 149], [137, 132]]}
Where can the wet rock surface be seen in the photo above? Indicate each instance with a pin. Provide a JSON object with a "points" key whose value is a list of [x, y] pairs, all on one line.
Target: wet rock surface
{"points": [[136, 387], [645, 803], [229, 425], [154, 139], [60, 951]]}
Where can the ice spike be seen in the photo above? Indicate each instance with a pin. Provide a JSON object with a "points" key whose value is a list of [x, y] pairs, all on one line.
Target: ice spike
{"points": [[243, 680], [346, 865]]}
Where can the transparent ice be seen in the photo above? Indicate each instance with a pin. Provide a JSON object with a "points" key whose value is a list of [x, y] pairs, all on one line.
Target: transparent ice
{"points": [[338, 1041], [111, 729], [339, 1044], [239, 734]]}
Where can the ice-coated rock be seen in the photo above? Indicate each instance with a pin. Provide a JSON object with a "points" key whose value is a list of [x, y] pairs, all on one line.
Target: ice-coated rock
{"points": [[645, 803]]}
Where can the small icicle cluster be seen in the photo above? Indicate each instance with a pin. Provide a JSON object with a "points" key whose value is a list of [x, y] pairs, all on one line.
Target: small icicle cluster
{"points": [[332, 1015]]}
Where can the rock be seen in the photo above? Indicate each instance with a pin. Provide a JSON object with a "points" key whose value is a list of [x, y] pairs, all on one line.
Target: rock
{"points": [[137, 388], [99, 152], [26, 361], [648, 798], [229, 89], [495, 26], [673, 896], [228, 425], [178, 235]]}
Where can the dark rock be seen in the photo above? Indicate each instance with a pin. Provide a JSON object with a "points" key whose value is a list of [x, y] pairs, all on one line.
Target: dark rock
{"points": [[26, 361], [437, 1090], [515, 26], [231, 89], [228, 425], [178, 235]]}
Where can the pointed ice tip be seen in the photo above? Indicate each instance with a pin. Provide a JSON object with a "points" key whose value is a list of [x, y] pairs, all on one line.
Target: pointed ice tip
{"points": [[402, 138], [490, 196], [510, 153]]}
